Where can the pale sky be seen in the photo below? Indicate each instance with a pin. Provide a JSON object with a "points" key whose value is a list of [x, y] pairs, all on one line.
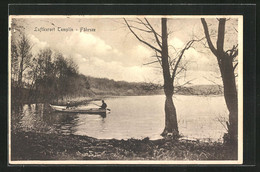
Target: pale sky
{"points": [[111, 51]]}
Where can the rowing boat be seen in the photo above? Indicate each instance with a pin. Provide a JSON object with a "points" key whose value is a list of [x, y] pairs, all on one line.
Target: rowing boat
{"points": [[77, 110]]}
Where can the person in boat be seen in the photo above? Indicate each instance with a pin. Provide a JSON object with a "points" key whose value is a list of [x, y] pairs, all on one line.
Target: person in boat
{"points": [[68, 105], [104, 105]]}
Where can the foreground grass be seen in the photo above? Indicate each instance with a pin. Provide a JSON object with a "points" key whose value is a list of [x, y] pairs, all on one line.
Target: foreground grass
{"points": [[38, 146]]}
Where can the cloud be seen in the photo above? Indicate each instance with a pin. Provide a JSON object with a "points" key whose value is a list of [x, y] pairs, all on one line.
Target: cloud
{"points": [[197, 77], [87, 45], [176, 43], [96, 57], [196, 60], [139, 54], [79, 59], [37, 44], [115, 70]]}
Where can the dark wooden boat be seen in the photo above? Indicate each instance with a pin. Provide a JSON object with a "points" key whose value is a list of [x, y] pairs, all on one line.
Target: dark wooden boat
{"points": [[78, 110]]}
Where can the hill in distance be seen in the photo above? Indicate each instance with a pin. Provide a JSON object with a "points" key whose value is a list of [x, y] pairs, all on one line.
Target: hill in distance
{"points": [[104, 86]]}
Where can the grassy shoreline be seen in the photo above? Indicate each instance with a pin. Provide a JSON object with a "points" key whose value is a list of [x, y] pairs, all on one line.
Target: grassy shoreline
{"points": [[42, 146]]}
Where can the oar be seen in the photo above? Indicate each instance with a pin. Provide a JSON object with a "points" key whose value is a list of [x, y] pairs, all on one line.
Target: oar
{"points": [[100, 106], [95, 104]]}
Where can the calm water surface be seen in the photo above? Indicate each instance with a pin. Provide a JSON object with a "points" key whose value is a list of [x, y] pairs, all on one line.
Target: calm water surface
{"points": [[130, 117]]}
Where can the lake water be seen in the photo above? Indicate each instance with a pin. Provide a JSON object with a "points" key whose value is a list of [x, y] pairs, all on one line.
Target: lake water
{"points": [[199, 117]]}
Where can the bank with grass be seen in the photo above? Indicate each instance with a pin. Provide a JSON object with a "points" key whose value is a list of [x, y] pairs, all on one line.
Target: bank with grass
{"points": [[42, 146]]}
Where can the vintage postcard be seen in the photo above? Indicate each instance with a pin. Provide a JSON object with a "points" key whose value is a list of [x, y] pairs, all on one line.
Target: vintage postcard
{"points": [[125, 89]]}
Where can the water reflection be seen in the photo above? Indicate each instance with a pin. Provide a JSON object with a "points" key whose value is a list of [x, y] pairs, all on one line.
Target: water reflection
{"points": [[130, 117], [40, 118]]}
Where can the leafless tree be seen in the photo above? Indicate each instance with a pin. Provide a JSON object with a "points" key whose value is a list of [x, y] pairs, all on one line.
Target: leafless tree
{"points": [[227, 66], [24, 53], [170, 65], [16, 33], [14, 61]]}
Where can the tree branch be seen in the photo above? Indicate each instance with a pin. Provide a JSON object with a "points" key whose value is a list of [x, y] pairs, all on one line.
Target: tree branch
{"points": [[182, 85], [182, 68], [187, 46], [206, 31], [158, 58], [151, 62], [235, 66], [141, 22], [235, 29], [233, 52], [177, 63], [155, 33], [148, 31], [149, 45], [221, 34], [148, 26], [212, 82]]}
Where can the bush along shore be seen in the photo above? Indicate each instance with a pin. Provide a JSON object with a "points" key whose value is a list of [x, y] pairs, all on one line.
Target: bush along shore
{"points": [[41, 146]]}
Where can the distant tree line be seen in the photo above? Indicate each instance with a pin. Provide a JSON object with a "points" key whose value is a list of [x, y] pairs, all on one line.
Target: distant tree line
{"points": [[104, 86], [200, 90], [48, 75]]}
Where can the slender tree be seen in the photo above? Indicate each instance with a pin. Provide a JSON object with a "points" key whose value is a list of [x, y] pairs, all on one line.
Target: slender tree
{"points": [[227, 67], [24, 53], [17, 31], [170, 66], [14, 61]]}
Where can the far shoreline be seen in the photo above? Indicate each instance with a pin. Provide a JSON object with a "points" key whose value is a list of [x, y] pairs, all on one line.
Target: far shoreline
{"points": [[81, 100]]}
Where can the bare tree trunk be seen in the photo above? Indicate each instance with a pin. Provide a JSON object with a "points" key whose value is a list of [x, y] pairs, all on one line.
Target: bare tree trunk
{"points": [[230, 95], [171, 125], [225, 62], [24, 48], [20, 75]]}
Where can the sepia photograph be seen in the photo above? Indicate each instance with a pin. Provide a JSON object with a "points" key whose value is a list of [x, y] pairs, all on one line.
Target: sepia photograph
{"points": [[125, 89]]}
